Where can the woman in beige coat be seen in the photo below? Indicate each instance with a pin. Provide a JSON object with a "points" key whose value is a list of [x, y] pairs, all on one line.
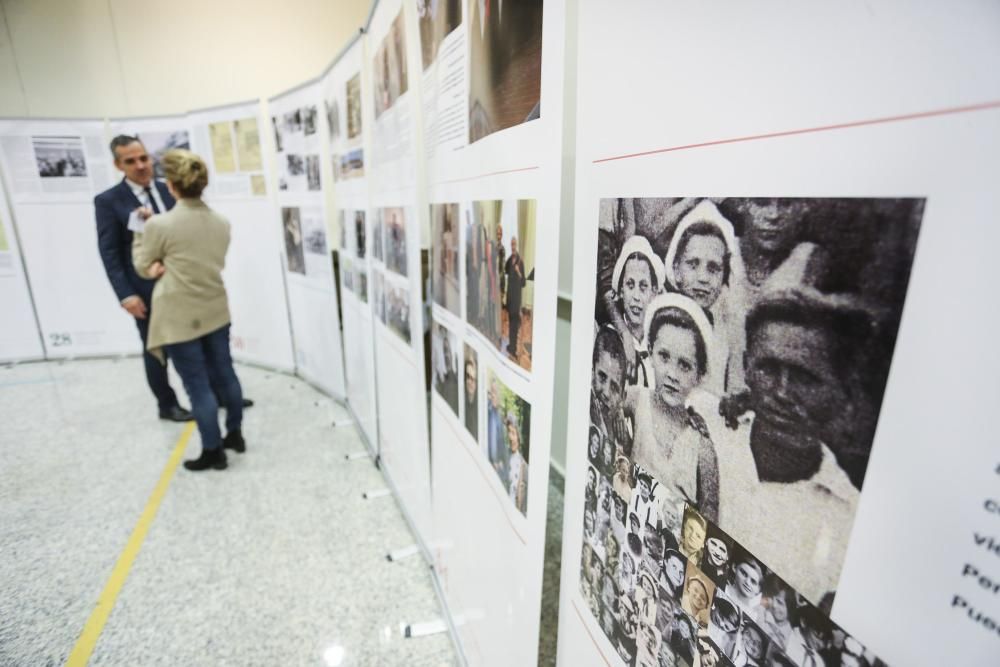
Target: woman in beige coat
{"points": [[185, 251]]}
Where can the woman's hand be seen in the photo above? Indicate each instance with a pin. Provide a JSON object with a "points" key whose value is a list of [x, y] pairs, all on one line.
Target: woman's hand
{"points": [[156, 270]]}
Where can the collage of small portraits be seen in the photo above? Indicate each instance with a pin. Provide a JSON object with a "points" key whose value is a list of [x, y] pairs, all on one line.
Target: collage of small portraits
{"points": [[740, 354], [482, 285]]}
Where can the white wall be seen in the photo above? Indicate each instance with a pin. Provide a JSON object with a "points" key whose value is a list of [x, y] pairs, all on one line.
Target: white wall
{"points": [[106, 58]]}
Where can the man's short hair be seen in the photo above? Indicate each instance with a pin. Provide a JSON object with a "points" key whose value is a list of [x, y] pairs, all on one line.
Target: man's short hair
{"points": [[607, 340], [121, 141]]}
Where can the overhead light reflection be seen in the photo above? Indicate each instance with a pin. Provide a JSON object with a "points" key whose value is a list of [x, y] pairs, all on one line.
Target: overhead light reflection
{"points": [[333, 656]]}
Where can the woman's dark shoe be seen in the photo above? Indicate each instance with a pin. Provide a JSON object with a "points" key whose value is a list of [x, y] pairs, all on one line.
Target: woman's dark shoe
{"points": [[234, 441], [210, 458]]}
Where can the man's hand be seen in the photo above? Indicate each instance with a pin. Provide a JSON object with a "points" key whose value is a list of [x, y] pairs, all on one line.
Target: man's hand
{"points": [[156, 270], [135, 306], [144, 212]]}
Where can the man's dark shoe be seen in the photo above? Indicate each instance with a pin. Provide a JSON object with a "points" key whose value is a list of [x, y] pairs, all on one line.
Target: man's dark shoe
{"points": [[210, 458], [234, 441], [247, 403], [176, 414]]}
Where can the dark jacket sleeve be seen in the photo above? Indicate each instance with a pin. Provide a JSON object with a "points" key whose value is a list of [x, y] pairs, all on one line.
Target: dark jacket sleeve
{"points": [[110, 241]]}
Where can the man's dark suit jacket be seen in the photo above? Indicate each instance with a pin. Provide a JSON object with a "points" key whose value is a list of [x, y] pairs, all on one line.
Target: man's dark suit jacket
{"points": [[113, 208]]}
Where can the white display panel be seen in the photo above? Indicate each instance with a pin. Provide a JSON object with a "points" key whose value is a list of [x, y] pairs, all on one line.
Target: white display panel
{"points": [[493, 101], [229, 140], [397, 219], [347, 102], [874, 157], [53, 169], [19, 337], [298, 128]]}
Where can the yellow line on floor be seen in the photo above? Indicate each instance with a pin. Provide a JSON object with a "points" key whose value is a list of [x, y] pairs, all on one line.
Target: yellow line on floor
{"points": [[95, 624]]}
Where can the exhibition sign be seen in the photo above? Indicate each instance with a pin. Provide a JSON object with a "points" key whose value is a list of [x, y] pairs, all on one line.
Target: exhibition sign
{"points": [[297, 127], [52, 170], [346, 102], [19, 338], [752, 485], [493, 98], [395, 245], [229, 139]]}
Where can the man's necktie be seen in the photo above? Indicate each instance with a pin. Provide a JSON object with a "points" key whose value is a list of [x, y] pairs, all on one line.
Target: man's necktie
{"points": [[152, 200]]}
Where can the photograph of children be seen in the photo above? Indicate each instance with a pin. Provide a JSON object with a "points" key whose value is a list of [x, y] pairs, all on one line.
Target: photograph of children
{"points": [[754, 336], [389, 69], [500, 274], [471, 394], [333, 118], [394, 235], [312, 172], [396, 314], [505, 68], [309, 118], [292, 226], [378, 237], [698, 592], [158, 143], [508, 429], [444, 256], [436, 19], [360, 234], [445, 364], [354, 106], [60, 157]]}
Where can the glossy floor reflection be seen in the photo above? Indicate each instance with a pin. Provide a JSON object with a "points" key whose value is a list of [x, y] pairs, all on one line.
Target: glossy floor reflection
{"points": [[276, 561]]}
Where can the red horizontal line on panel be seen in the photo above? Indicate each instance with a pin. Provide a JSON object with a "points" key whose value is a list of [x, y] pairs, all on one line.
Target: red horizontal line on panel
{"points": [[464, 447], [984, 106], [590, 634], [492, 173]]}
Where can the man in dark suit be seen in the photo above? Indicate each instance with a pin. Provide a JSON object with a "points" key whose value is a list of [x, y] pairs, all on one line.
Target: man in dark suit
{"points": [[516, 281], [137, 194]]}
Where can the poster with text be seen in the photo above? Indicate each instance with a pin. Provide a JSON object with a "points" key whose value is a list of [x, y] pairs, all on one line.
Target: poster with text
{"points": [[754, 394]]}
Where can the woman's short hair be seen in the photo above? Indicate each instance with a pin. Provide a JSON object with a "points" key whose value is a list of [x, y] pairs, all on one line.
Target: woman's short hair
{"points": [[681, 319], [186, 171]]}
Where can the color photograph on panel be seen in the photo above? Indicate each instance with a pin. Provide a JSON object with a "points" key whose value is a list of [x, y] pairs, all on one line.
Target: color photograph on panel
{"points": [[740, 354], [444, 256], [505, 66], [445, 364], [391, 224], [291, 224], [499, 269], [470, 397], [389, 67], [436, 19], [508, 425]]}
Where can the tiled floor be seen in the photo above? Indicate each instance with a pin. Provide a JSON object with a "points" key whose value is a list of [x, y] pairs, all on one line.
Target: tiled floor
{"points": [[271, 562]]}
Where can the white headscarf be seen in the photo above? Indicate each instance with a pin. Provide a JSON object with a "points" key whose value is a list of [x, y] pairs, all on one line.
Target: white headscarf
{"points": [[704, 211], [638, 244], [687, 305]]}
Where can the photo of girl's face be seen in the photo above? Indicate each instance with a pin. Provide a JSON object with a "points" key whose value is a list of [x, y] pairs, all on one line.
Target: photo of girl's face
{"points": [[694, 536], [674, 568], [699, 272], [637, 289], [697, 596], [717, 550], [748, 579], [779, 607], [675, 364], [595, 444]]}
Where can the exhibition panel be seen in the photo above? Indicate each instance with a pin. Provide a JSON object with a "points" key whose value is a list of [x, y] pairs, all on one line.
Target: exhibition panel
{"points": [[346, 96], [19, 340], [229, 139], [493, 98], [395, 248], [52, 170], [751, 484], [297, 128]]}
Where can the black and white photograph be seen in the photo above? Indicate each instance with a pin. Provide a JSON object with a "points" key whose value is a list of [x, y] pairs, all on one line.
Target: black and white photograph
{"points": [[354, 106], [505, 65], [347, 275], [436, 20], [393, 224], [361, 284], [470, 404], [445, 364], [158, 143], [314, 235], [740, 355], [360, 235], [508, 427], [396, 312], [309, 118], [312, 172], [333, 118], [444, 256], [389, 67], [378, 294], [500, 275], [60, 157], [291, 224]]}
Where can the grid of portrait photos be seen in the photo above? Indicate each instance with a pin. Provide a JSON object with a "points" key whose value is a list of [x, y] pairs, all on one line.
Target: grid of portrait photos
{"points": [[482, 313], [741, 351], [389, 67], [391, 288]]}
